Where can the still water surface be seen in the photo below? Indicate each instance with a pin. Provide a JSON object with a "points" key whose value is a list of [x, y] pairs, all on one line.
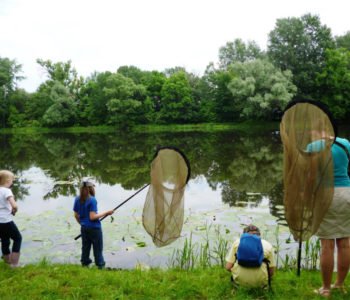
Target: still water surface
{"points": [[236, 178]]}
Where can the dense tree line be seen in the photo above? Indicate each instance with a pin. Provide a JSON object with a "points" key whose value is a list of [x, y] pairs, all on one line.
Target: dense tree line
{"points": [[302, 59]]}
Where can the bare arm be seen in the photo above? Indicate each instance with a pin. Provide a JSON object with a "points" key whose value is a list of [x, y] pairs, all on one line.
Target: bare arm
{"points": [[13, 204], [229, 266], [94, 216], [76, 215]]}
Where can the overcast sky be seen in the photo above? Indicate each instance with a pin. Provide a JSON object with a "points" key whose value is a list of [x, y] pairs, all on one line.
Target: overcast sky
{"points": [[101, 35]]}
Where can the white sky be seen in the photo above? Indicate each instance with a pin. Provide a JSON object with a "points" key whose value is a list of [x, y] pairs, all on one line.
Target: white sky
{"points": [[102, 35]]}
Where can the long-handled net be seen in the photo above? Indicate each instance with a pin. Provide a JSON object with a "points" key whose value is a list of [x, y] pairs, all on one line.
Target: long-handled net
{"points": [[163, 212], [308, 132]]}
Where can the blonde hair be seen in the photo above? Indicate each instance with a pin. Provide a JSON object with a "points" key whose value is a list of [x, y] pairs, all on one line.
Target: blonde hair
{"points": [[5, 176]]}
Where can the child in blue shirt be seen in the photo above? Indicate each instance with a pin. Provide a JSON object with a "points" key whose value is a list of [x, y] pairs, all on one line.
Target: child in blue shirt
{"points": [[85, 212]]}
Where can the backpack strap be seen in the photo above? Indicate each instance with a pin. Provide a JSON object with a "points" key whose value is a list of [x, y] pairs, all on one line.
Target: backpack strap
{"points": [[268, 271]]}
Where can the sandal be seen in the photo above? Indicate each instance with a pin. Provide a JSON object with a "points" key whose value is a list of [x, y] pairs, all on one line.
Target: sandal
{"points": [[341, 288], [323, 292]]}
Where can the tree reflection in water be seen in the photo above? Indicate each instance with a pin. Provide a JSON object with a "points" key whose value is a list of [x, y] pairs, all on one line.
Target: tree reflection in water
{"points": [[247, 167]]}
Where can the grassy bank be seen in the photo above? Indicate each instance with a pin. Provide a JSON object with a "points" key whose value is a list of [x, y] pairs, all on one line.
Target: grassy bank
{"points": [[250, 126], [45, 281]]}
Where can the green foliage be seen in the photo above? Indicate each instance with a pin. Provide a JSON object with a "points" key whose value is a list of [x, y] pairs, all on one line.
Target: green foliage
{"points": [[238, 51], [38, 104], [63, 110], [222, 99], [9, 76], [343, 41], [177, 104], [334, 82], [64, 73], [258, 87], [123, 112], [92, 108], [299, 45], [123, 102], [153, 82], [131, 72], [224, 93], [17, 102]]}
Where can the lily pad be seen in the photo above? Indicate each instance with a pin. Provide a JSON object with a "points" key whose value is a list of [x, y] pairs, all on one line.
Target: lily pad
{"points": [[141, 244]]}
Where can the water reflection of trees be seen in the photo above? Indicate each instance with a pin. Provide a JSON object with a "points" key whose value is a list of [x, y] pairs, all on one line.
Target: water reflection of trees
{"points": [[276, 203], [247, 167]]}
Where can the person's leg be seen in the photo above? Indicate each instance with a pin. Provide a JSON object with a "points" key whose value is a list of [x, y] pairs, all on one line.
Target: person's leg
{"points": [[5, 246], [327, 262], [343, 263], [16, 236], [5, 243], [85, 247], [5, 249], [98, 248]]}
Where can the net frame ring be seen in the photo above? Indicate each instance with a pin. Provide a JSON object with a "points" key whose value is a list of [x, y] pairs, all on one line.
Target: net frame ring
{"points": [[167, 172]]}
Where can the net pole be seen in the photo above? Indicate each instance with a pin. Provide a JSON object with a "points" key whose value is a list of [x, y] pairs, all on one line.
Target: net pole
{"points": [[299, 257]]}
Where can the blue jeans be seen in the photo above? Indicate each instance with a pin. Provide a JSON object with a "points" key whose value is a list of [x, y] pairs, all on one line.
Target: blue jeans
{"points": [[92, 236], [9, 231]]}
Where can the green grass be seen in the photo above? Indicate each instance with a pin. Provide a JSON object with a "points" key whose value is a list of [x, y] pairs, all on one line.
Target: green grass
{"points": [[46, 281], [31, 130], [248, 126]]}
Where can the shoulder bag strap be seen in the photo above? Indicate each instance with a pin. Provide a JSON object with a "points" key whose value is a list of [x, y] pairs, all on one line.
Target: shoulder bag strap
{"points": [[344, 148]]}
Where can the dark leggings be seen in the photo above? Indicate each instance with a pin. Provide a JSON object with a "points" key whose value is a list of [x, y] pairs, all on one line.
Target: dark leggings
{"points": [[10, 231]]}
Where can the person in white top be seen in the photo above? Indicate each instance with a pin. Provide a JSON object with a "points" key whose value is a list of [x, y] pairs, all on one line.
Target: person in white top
{"points": [[8, 229]]}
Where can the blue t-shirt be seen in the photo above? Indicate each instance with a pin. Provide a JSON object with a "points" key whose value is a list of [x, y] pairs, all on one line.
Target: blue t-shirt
{"points": [[340, 163], [340, 160], [84, 209]]}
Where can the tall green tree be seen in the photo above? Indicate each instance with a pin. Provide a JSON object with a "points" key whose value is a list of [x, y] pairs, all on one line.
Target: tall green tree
{"points": [[39, 102], [171, 71], [177, 104], [44, 107], [9, 77], [299, 45], [64, 73], [92, 108], [258, 88], [62, 112], [123, 108], [238, 51], [334, 82], [132, 72], [18, 100], [343, 41], [153, 82], [220, 97]]}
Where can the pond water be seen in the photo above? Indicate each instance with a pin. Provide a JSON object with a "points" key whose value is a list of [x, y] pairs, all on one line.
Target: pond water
{"points": [[236, 179]]}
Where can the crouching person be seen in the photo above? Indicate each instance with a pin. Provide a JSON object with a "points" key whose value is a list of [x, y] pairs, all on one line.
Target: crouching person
{"points": [[251, 260]]}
